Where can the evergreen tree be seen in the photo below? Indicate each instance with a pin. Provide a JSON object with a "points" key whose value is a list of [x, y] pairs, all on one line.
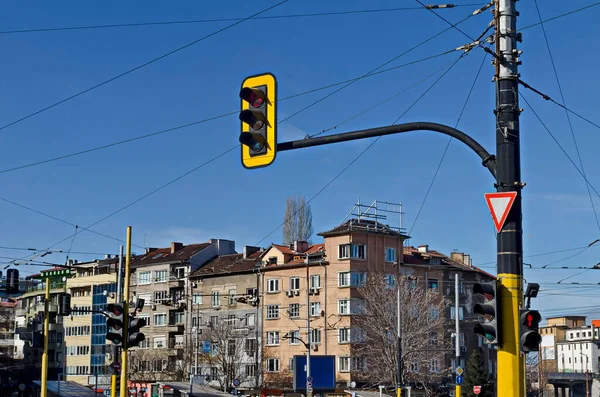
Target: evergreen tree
{"points": [[476, 375]]}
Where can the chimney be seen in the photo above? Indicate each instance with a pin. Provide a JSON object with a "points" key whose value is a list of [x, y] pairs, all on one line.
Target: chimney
{"points": [[249, 250], [423, 248], [176, 247], [107, 256], [467, 260], [300, 246], [457, 256]]}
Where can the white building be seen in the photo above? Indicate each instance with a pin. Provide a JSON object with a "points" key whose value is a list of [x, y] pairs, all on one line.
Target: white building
{"points": [[580, 351]]}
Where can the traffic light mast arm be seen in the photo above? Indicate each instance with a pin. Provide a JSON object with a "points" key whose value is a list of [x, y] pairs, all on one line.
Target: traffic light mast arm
{"points": [[488, 160]]}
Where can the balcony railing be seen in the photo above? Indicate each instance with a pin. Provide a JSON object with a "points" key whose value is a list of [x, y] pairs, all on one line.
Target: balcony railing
{"points": [[42, 287]]}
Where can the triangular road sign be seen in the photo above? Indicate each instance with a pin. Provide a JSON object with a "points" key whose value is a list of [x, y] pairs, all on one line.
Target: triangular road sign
{"points": [[499, 205]]}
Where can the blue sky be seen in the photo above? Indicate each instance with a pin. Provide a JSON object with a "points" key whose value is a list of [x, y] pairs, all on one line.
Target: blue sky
{"points": [[222, 199]]}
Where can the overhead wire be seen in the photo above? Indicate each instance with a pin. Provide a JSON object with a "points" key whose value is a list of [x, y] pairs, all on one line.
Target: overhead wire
{"points": [[52, 251], [182, 126], [211, 20], [63, 221], [562, 98], [374, 70], [435, 174], [360, 154], [132, 70], [558, 143], [562, 15], [146, 195]]}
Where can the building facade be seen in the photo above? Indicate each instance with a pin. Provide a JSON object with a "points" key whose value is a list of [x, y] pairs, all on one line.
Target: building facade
{"points": [[161, 278], [225, 331], [579, 351]]}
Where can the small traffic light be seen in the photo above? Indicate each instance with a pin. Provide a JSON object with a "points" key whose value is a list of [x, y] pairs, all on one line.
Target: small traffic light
{"points": [[115, 323], [64, 308], [12, 281], [134, 336], [258, 118], [489, 309], [529, 336]]}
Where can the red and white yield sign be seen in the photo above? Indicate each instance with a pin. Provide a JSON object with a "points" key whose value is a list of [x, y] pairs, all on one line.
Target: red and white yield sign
{"points": [[500, 205], [476, 389]]}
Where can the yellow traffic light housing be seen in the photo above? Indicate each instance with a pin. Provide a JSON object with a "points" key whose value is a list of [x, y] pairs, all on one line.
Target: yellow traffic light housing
{"points": [[258, 118]]}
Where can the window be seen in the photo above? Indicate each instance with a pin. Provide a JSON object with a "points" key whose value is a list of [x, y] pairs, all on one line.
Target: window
{"points": [[232, 296], [432, 283], [197, 299], [315, 309], [462, 339], [179, 272], [272, 312], [350, 306], [160, 319], [214, 320], [461, 312], [433, 338], [294, 337], [413, 366], [144, 278], [348, 364], [231, 347], [144, 344], [434, 365], [390, 255], [161, 296], [214, 372], [159, 342], [273, 285], [161, 276], [294, 283], [354, 251], [251, 346], [314, 337], [250, 370], [315, 281], [354, 279], [390, 280], [272, 365], [344, 335], [178, 317], [250, 319], [215, 299], [434, 313], [294, 310], [272, 338], [145, 317]]}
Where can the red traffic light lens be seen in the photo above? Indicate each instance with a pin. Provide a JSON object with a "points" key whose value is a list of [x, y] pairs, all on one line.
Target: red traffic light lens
{"points": [[255, 98]]}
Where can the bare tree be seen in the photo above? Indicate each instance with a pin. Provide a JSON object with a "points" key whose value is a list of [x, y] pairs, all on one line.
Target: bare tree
{"points": [[152, 365], [232, 351], [297, 220], [423, 332]]}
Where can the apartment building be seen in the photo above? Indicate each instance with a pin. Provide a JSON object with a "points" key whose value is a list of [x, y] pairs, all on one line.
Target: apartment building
{"points": [[303, 282], [8, 348], [437, 272], [161, 278], [580, 350], [553, 332], [30, 316], [225, 334], [92, 286]]}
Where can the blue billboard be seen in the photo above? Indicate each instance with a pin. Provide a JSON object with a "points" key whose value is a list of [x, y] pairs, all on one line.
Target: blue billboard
{"points": [[322, 371]]}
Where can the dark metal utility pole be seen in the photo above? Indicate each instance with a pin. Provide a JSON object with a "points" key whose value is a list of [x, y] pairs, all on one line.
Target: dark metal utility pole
{"points": [[511, 376]]}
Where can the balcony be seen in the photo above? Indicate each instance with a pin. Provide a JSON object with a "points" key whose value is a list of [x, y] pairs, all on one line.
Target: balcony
{"points": [[54, 285], [175, 327]]}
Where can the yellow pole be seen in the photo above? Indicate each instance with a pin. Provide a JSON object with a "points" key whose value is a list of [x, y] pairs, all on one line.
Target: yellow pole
{"points": [[46, 331], [511, 366], [457, 392], [125, 317], [113, 386]]}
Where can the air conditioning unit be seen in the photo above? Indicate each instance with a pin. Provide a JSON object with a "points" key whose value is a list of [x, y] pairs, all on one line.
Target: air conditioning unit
{"points": [[153, 307], [289, 293], [297, 292], [315, 291]]}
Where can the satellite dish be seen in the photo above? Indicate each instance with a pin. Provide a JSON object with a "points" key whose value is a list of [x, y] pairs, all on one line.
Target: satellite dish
{"points": [[353, 384]]}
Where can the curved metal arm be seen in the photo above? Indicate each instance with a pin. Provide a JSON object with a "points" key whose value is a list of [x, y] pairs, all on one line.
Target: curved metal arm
{"points": [[488, 160]]}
